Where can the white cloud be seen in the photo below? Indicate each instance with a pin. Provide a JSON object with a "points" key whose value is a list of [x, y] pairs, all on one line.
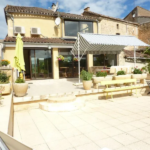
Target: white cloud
{"points": [[141, 2], [107, 7]]}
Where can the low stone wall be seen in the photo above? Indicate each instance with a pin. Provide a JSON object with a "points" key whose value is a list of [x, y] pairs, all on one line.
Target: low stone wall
{"points": [[34, 104], [6, 115]]}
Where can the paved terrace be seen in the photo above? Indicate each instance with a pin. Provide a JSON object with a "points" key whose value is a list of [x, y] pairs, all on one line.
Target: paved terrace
{"points": [[41, 89], [119, 124]]}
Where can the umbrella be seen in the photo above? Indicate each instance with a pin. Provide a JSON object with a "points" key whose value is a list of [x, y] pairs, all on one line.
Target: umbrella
{"points": [[19, 58]]}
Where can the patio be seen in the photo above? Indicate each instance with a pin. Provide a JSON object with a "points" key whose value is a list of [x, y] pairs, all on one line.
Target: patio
{"points": [[119, 124]]}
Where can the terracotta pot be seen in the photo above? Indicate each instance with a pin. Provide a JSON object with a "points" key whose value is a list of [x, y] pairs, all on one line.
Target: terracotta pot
{"points": [[6, 88], [20, 89], [87, 85]]}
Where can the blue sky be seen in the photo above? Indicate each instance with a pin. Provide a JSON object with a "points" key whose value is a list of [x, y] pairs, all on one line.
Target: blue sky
{"points": [[114, 8]]}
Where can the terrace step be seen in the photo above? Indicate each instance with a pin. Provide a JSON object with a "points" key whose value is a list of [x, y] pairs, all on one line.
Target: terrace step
{"points": [[67, 105]]}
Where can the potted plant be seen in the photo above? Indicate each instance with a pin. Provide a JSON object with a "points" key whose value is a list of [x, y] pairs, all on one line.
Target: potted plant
{"points": [[4, 83], [147, 65], [5, 62], [75, 59], [100, 76], [61, 58], [138, 74], [20, 87], [121, 75], [87, 79]]}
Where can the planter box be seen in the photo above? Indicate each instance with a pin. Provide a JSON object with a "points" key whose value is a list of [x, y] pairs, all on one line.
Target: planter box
{"points": [[148, 77], [7, 88], [122, 77], [140, 77], [20, 89], [97, 80]]}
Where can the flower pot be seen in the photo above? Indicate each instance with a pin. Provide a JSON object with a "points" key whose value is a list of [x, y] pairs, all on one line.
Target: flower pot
{"points": [[5, 88], [87, 85], [20, 89], [140, 77], [97, 80], [122, 77], [148, 77]]}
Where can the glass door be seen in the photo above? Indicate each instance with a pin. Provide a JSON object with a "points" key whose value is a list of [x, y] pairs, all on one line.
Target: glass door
{"points": [[69, 68], [41, 64]]}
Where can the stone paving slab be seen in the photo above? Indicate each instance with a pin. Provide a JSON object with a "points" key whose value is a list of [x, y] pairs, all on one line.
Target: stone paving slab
{"points": [[121, 124]]}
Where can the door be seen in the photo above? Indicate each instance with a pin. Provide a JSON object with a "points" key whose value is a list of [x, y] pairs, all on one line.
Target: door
{"points": [[41, 64]]}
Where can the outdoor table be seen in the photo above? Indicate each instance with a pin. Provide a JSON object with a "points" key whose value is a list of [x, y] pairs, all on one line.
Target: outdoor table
{"points": [[64, 71]]}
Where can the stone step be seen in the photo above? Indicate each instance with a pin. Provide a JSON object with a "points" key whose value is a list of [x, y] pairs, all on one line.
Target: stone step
{"points": [[61, 98], [65, 106]]}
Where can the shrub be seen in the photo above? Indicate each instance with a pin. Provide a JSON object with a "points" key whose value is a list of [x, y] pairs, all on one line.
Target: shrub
{"points": [[5, 62], [137, 71], [86, 76], [121, 73], [4, 78], [101, 74], [19, 80]]}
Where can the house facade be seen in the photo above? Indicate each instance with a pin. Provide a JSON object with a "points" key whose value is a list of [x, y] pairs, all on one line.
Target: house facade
{"points": [[48, 34], [139, 15]]}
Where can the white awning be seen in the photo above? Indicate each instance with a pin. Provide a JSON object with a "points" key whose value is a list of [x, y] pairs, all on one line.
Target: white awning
{"points": [[99, 43]]}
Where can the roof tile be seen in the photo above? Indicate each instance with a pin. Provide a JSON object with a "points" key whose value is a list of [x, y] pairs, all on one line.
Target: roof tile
{"points": [[42, 11], [39, 40]]}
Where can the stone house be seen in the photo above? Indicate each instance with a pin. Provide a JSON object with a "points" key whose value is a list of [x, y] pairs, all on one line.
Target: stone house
{"points": [[44, 39]]}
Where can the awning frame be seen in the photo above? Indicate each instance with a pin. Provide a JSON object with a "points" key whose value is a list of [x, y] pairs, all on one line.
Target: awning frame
{"points": [[82, 46]]}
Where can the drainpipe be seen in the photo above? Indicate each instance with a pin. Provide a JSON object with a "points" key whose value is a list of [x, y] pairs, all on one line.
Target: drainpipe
{"points": [[99, 19], [62, 25], [12, 18]]}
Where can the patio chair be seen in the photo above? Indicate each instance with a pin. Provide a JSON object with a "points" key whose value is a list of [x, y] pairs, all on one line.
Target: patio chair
{"points": [[148, 83]]}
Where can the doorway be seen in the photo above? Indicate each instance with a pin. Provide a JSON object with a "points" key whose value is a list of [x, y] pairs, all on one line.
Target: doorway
{"points": [[38, 64]]}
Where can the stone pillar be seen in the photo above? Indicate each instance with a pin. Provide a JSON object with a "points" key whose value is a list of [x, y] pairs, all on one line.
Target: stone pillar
{"points": [[55, 63], [120, 59], [89, 61]]}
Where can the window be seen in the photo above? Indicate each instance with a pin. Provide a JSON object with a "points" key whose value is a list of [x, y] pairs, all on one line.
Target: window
{"points": [[105, 60], [73, 27], [117, 33], [117, 26]]}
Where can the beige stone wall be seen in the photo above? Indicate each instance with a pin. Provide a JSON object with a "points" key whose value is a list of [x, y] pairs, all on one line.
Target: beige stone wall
{"points": [[144, 32], [107, 26], [120, 59]]}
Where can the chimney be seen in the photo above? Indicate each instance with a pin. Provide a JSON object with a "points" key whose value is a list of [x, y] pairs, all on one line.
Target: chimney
{"points": [[87, 9], [53, 7]]}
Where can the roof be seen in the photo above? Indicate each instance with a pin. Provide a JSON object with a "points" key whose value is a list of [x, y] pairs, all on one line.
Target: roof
{"points": [[44, 12], [39, 40], [90, 13], [140, 12], [130, 53], [94, 43]]}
